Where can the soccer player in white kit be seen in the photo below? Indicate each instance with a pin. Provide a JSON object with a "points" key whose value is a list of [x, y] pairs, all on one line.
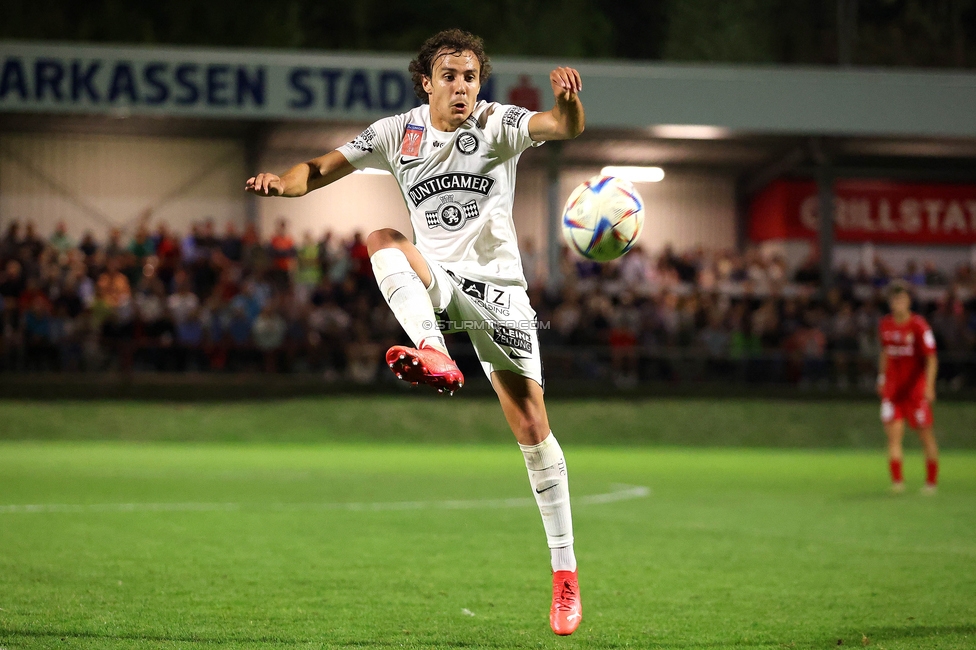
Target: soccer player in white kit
{"points": [[454, 158]]}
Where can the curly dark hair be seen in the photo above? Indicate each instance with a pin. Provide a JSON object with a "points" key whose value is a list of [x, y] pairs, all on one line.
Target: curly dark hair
{"points": [[449, 41]]}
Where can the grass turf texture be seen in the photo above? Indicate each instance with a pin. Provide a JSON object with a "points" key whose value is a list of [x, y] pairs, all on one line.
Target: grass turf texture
{"points": [[734, 548], [684, 422]]}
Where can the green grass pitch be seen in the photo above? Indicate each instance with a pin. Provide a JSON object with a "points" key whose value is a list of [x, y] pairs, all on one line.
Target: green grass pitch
{"points": [[253, 526]]}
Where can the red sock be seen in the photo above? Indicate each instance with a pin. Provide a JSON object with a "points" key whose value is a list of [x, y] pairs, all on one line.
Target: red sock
{"points": [[931, 471], [895, 466]]}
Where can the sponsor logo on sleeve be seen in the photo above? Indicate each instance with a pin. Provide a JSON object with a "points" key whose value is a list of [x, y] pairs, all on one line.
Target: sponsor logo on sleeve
{"points": [[513, 116], [365, 140]]}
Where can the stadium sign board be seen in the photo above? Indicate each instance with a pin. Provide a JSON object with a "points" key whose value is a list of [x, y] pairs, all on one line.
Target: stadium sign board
{"points": [[868, 210], [267, 85], [125, 81]]}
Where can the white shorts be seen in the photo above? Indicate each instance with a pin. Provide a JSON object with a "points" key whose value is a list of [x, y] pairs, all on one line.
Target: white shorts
{"points": [[499, 320]]}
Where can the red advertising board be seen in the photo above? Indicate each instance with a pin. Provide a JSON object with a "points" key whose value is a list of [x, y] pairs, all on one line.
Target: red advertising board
{"points": [[865, 210]]}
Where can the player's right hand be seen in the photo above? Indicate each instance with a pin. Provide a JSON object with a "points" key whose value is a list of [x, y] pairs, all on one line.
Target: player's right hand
{"points": [[566, 83], [265, 185]]}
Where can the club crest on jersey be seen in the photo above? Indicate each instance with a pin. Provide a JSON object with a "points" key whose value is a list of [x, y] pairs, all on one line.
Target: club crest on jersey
{"points": [[467, 144], [452, 215], [452, 182], [413, 135]]}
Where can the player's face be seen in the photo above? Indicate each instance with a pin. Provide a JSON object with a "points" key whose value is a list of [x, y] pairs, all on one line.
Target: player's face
{"points": [[453, 88], [900, 303]]}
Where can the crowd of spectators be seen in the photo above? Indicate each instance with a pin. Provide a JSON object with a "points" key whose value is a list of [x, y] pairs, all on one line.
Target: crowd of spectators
{"points": [[203, 300], [720, 315], [229, 300]]}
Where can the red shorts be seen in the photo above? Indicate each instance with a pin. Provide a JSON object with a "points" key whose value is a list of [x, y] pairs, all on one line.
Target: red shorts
{"points": [[918, 413]]}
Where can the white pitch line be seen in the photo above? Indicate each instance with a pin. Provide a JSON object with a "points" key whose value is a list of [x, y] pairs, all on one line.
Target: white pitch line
{"points": [[620, 493]]}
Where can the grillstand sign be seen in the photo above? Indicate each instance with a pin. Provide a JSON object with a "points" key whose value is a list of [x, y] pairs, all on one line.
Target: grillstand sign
{"points": [[875, 211]]}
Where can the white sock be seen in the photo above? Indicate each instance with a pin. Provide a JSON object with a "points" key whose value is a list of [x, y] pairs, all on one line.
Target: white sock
{"points": [[547, 476], [407, 297]]}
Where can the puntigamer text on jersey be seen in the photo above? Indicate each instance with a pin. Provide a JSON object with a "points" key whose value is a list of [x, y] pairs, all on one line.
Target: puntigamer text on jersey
{"points": [[429, 187]]}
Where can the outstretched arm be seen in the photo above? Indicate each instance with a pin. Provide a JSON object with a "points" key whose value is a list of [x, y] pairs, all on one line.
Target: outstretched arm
{"points": [[566, 119], [301, 179]]}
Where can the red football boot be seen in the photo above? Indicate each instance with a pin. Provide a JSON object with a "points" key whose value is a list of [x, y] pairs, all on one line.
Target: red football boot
{"points": [[425, 366], [567, 610]]}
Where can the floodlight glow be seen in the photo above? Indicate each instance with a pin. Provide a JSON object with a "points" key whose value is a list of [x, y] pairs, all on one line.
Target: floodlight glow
{"points": [[635, 174], [689, 131]]}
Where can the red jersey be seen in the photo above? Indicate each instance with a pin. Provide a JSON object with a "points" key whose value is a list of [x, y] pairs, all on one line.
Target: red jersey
{"points": [[907, 347]]}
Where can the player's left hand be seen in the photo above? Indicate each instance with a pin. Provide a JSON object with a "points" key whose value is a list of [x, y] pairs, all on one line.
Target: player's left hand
{"points": [[566, 83], [265, 184], [930, 394]]}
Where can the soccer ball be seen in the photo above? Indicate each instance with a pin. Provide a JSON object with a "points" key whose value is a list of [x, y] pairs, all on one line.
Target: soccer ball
{"points": [[603, 218]]}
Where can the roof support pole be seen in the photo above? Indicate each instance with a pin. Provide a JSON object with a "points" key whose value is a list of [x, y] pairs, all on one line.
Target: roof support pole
{"points": [[254, 145], [748, 185], [825, 195]]}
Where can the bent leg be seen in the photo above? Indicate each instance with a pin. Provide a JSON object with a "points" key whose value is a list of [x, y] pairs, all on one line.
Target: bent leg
{"points": [[390, 238], [522, 402], [403, 277]]}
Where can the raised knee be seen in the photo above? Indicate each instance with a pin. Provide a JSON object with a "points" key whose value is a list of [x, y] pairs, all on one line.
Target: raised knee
{"points": [[384, 238]]}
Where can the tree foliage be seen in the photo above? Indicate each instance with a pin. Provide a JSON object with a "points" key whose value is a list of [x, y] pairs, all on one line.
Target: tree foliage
{"points": [[887, 32]]}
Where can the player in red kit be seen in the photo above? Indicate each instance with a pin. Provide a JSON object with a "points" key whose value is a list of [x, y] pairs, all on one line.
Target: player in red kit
{"points": [[906, 383]]}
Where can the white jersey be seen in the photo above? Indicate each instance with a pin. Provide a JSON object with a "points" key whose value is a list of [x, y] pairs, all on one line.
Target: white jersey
{"points": [[459, 187]]}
